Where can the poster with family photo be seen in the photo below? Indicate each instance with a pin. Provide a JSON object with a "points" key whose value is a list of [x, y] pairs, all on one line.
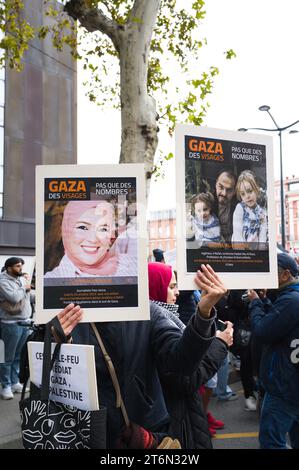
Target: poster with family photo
{"points": [[91, 241], [225, 206]]}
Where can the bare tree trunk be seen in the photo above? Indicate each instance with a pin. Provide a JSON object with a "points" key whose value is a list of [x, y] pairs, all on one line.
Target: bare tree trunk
{"points": [[138, 109]]}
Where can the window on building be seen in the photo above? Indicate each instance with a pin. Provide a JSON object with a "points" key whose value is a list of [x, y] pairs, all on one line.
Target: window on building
{"points": [[294, 187], [167, 231]]}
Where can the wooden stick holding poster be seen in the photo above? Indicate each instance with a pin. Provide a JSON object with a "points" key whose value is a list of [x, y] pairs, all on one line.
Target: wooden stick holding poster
{"points": [[91, 241], [225, 207]]}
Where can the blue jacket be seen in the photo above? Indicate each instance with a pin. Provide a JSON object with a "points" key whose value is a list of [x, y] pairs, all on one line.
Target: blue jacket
{"points": [[137, 350], [277, 326]]}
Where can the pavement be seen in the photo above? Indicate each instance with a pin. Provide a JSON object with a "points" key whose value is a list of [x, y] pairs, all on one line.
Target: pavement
{"points": [[240, 432], [10, 423], [241, 426]]}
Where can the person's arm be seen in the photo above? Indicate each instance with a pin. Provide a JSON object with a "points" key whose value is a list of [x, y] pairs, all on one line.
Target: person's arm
{"points": [[181, 353], [238, 224], [13, 292], [216, 353], [208, 366], [273, 323], [212, 289]]}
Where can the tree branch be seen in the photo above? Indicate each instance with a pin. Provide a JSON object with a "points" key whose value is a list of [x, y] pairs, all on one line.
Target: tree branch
{"points": [[93, 19]]}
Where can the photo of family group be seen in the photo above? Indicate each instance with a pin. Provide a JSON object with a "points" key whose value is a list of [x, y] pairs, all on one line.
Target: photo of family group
{"points": [[234, 214], [225, 206]]}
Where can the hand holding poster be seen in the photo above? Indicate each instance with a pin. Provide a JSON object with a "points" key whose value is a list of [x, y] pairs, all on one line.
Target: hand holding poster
{"points": [[91, 241], [225, 196]]}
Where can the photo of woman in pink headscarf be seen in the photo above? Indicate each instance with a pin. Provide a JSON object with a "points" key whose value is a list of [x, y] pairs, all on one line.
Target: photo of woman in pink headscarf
{"points": [[89, 232]]}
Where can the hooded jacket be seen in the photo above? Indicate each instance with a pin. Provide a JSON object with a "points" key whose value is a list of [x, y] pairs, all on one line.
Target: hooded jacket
{"points": [[13, 290], [277, 327]]}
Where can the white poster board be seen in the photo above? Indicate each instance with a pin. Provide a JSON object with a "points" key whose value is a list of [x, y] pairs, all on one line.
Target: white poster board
{"points": [[225, 207], [73, 377], [91, 241]]}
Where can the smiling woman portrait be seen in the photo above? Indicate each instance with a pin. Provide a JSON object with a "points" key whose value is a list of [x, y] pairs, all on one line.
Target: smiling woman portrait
{"points": [[89, 231]]}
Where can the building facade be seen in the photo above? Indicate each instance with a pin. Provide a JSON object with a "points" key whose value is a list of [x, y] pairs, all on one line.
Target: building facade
{"points": [[161, 230], [38, 122], [291, 193]]}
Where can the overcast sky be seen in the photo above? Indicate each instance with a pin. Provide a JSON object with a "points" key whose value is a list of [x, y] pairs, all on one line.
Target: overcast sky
{"points": [[265, 36]]}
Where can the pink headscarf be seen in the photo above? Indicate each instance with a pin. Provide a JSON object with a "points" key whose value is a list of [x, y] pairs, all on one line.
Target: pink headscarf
{"points": [[106, 265], [159, 277]]}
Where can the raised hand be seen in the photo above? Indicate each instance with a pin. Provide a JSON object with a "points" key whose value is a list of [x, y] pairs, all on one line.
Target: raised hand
{"points": [[212, 289], [69, 317]]}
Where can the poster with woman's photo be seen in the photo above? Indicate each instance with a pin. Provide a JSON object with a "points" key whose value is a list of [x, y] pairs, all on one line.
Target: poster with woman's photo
{"points": [[225, 205], [91, 241]]}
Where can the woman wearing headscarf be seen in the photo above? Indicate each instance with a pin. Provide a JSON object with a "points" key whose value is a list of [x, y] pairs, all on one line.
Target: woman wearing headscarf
{"points": [[138, 350], [88, 235], [188, 421]]}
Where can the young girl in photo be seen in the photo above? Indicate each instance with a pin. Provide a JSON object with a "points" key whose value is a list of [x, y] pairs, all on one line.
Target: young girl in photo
{"points": [[204, 226], [249, 219]]}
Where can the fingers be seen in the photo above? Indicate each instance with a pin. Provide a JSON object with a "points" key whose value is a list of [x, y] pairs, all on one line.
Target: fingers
{"points": [[199, 280], [69, 329], [65, 311], [212, 273], [69, 317], [252, 294], [226, 336], [210, 277], [206, 282]]}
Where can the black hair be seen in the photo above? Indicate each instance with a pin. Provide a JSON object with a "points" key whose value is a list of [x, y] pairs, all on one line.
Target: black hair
{"points": [[12, 261]]}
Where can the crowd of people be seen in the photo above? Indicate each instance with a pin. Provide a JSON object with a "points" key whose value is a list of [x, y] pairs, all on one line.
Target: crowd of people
{"points": [[169, 367]]}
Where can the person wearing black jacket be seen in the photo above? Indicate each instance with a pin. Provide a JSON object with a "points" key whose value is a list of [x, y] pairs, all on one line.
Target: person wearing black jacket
{"points": [[188, 421], [139, 349]]}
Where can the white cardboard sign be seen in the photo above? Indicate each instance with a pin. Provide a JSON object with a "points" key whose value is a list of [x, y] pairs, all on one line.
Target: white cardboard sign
{"points": [[91, 241], [73, 377], [225, 207]]}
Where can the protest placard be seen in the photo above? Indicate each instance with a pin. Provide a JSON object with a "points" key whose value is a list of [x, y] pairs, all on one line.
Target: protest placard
{"points": [[91, 241], [225, 207], [73, 377]]}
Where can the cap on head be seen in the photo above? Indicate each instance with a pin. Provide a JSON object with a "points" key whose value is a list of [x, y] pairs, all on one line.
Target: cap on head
{"points": [[12, 261], [285, 261], [158, 254]]}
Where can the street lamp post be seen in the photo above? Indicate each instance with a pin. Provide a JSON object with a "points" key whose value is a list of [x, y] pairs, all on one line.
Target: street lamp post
{"points": [[279, 130]]}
